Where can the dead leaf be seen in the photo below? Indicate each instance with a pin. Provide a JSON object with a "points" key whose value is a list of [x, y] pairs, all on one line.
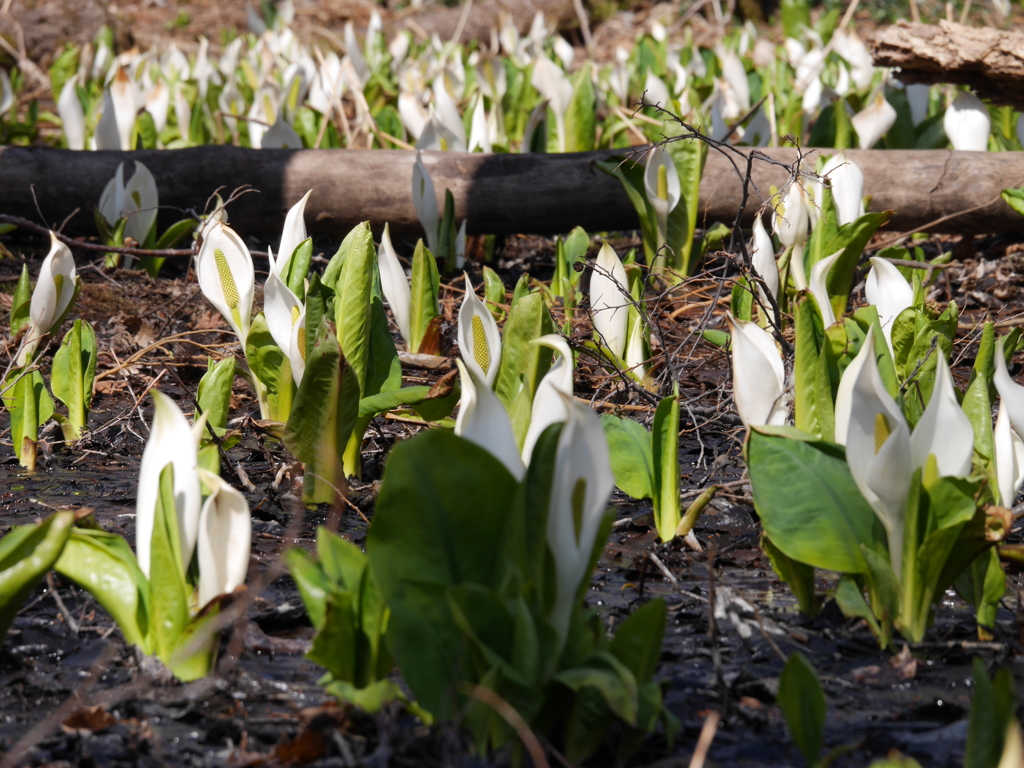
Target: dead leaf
{"points": [[85, 721], [310, 745], [111, 386]]}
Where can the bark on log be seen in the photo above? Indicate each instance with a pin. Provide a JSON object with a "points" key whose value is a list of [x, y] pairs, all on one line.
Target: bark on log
{"points": [[991, 61], [499, 194]]}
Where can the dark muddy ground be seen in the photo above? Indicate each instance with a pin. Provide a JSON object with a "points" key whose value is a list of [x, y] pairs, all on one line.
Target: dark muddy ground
{"points": [[72, 693]]}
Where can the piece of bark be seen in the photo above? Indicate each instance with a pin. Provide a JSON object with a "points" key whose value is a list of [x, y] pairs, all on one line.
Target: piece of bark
{"points": [[990, 61], [498, 194]]}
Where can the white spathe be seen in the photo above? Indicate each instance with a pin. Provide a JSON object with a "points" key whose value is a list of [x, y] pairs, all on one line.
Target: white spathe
{"points": [[889, 292], [819, 287], [51, 297], [758, 375], [1009, 451], [762, 257], [871, 426], [171, 441], [224, 540], [292, 235], [424, 199], [847, 181], [483, 420], [479, 338], [72, 115], [395, 286], [967, 123], [791, 222], [610, 300], [582, 484], [661, 183], [943, 431], [873, 122], [227, 278], [550, 405], [136, 200]]}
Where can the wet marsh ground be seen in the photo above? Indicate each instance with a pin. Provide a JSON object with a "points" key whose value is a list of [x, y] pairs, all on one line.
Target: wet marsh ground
{"points": [[72, 693]]}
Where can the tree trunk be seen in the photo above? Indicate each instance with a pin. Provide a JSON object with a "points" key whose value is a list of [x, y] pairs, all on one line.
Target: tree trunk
{"points": [[499, 194]]}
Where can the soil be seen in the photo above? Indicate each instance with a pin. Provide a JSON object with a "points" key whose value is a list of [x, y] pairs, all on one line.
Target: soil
{"points": [[71, 691]]}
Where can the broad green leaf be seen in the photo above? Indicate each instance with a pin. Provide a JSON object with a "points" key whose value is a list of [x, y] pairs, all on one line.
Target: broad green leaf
{"points": [[103, 564], [742, 303], [73, 374], [850, 599], [637, 641], [808, 502], [665, 455], [629, 446], [808, 343], [799, 577], [981, 581], [214, 395], [21, 302], [175, 233], [850, 239], [803, 705], [269, 365], [523, 364], [1015, 199], [690, 156], [438, 524], [993, 708], [30, 406], [424, 285], [26, 559], [977, 402], [383, 368], [608, 676], [494, 293], [352, 302], [169, 591], [298, 267], [580, 117], [796, 15]]}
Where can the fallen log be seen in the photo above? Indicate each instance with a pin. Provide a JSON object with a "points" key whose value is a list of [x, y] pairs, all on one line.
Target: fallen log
{"points": [[943, 190], [990, 61]]}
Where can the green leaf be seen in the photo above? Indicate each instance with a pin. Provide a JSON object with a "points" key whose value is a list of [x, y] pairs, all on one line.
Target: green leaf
{"points": [[175, 233], [214, 394], [443, 518], [690, 157], [808, 502], [271, 368], [103, 564], [809, 339], [850, 239], [1014, 198], [494, 293], [298, 267], [383, 368], [73, 374], [637, 641], [324, 413], [977, 402], [424, 284], [26, 554], [352, 302], [803, 705], [609, 677], [629, 446], [21, 302], [742, 300], [631, 175], [799, 577], [523, 364], [993, 708], [665, 455], [850, 599], [30, 406], [168, 589], [580, 116], [796, 15]]}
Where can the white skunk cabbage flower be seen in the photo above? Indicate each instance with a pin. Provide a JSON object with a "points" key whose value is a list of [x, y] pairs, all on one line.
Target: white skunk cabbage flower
{"points": [[889, 291], [53, 294], [227, 278], [762, 257], [552, 83], [171, 441], [609, 300], [424, 198], [297, 347], [483, 420], [281, 136], [479, 134], [395, 286], [448, 115], [554, 393], [944, 431], [847, 187], [917, 96], [967, 123], [1010, 392], [790, 223], [282, 309], [874, 121], [479, 338], [225, 533], [582, 484], [137, 199], [292, 235], [414, 117], [157, 102], [438, 137], [877, 439], [1009, 451], [819, 287], [661, 183], [758, 376], [117, 124], [72, 115], [656, 92]]}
